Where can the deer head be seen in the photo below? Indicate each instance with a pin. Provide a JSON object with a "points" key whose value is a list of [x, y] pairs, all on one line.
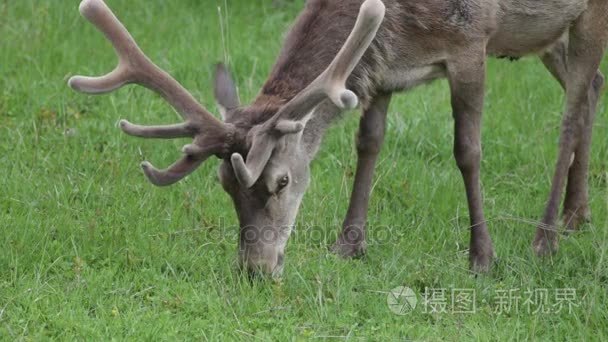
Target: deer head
{"points": [[265, 167]]}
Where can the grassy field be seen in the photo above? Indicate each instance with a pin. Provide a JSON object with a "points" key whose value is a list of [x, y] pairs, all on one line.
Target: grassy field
{"points": [[92, 251]]}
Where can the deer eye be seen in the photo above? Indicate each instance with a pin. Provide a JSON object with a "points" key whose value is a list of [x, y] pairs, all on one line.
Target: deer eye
{"points": [[283, 181]]}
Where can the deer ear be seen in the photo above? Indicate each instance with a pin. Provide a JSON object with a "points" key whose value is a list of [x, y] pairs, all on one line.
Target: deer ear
{"points": [[225, 90]]}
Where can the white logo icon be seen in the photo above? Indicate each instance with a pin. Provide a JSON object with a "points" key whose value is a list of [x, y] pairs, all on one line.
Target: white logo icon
{"points": [[402, 300]]}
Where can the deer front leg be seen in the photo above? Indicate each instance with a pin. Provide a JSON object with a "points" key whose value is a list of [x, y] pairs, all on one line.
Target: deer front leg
{"points": [[587, 41], [576, 204], [466, 76], [351, 242]]}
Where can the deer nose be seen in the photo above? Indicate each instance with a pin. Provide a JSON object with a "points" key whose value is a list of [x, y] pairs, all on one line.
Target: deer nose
{"points": [[266, 268]]}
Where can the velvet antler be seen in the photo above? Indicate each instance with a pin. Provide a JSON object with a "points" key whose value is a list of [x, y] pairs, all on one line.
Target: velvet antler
{"points": [[209, 133], [331, 84]]}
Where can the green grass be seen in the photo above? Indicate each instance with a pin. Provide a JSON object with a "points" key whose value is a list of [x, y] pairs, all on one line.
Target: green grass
{"points": [[92, 251]]}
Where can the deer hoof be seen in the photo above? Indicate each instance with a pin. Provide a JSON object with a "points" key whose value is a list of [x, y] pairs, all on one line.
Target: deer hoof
{"points": [[481, 261], [348, 250], [545, 245], [575, 219]]}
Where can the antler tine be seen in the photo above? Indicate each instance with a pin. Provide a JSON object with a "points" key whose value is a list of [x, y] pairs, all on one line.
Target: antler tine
{"points": [[181, 130], [174, 173], [368, 22], [248, 174], [135, 67], [330, 84]]}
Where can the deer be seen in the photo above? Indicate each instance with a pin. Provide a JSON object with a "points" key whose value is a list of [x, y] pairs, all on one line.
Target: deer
{"points": [[340, 55]]}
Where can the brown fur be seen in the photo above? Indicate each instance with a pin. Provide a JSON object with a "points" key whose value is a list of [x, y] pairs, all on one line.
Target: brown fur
{"points": [[417, 42], [429, 40]]}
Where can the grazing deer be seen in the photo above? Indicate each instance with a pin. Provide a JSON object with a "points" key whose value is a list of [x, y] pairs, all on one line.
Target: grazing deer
{"points": [[266, 147]]}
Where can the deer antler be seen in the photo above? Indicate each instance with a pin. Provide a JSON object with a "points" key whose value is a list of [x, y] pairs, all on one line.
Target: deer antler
{"points": [[331, 84], [211, 136]]}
